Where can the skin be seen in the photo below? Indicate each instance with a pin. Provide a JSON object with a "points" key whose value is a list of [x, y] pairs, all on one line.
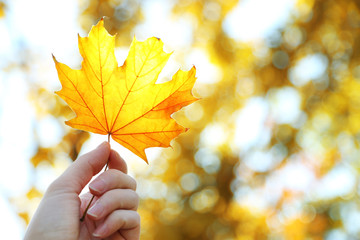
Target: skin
{"points": [[112, 214]]}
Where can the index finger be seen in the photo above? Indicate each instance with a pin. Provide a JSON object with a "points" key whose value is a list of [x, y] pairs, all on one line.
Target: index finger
{"points": [[117, 162]]}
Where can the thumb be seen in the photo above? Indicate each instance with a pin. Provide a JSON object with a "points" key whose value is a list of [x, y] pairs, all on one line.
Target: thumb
{"points": [[75, 177]]}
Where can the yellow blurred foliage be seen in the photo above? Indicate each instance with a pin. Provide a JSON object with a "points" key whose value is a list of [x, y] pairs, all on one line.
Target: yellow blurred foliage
{"points": [[33, 193], [2, 9]]}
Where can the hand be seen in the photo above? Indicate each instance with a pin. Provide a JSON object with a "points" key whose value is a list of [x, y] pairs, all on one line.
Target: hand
{"points": [[112, 214]]}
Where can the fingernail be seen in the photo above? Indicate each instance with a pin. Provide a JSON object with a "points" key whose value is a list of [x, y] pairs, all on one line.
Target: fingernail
{"points": [[96, 210], [98, 185], [100, 231]]}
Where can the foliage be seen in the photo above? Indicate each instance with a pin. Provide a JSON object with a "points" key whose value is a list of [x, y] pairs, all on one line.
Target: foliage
{"points": [[2, 7]]}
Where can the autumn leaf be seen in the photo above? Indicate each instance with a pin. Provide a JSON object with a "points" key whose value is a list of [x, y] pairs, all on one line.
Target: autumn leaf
{"points": [[125, 102]]}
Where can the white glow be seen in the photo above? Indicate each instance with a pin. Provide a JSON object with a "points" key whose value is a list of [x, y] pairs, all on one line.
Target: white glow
{"points": [[350, 215], [213, 135], [352, 221], [16, 119], [49, 131], [176, 33], [6, 45], [285, 105], [38, 22], [157, 190], [336, 234], [206, 72], [295, 176], [206, 159], [254, 199], [45, 174], [250, 123], [12, 227], [255, 19], [262, 161], [341, 180], [121, 54], [189, 182], [308, 68]]}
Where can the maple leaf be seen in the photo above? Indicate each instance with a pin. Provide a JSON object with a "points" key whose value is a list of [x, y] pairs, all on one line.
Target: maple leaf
{"points": [[125, 102]]}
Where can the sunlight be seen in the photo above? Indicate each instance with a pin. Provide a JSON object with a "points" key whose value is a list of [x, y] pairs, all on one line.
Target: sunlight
{"points": [[256, 19]]}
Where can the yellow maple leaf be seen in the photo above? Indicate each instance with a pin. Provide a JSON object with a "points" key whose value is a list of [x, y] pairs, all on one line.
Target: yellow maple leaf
{"points": [[125, 102]]}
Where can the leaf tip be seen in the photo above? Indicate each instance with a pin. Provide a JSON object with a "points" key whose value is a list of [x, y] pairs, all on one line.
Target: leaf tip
{"points": [[53, 57], [143, 157], [101, 21]]}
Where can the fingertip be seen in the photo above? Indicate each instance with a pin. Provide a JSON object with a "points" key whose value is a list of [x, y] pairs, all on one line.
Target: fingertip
{"points": [[104, 145], [98, 186], [117, 162], [104, 150]]}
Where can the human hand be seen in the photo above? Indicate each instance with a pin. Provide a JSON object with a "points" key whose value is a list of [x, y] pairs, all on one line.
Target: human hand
{"points": [[112, 214]]}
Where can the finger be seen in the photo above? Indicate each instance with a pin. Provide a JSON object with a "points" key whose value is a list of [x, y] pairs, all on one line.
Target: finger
{"points": [[130, 234], [85, 200], [112, 200], [127, 222], [111, 179], [75, 178], [117, 162], [116, 236]]}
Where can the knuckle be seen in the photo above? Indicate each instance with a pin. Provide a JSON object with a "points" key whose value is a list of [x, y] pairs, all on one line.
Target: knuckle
{"points": [[135, 199], [134, 196], [131, 195], [132, 199], [133, 184], [137, 217], [120, 179], [112, 172], [114, 176]]}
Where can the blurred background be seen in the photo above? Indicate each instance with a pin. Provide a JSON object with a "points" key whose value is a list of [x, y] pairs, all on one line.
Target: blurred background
{"points": [[273, 147]]}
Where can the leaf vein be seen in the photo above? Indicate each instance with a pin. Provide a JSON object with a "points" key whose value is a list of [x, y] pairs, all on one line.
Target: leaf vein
{"points": [[151, 108], [82, 98], [153, 132], [129, 90]]}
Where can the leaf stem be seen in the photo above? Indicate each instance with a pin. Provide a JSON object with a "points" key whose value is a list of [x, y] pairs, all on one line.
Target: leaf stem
{"points": [[92, 198]]}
